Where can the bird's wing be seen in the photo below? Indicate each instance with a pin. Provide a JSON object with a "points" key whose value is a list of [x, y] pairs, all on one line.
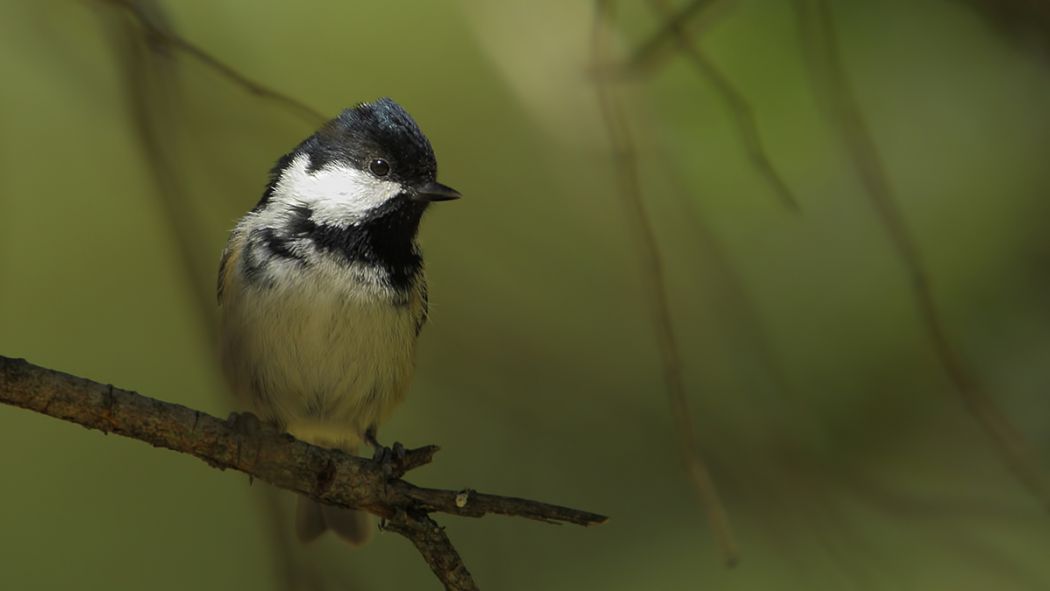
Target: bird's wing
{"points": [[230, 256]]}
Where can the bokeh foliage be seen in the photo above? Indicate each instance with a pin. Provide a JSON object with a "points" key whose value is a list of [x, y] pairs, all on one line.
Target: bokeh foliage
{"points": [[844, 457]]}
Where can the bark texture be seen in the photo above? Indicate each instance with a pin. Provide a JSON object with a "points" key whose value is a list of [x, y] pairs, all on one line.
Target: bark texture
{"points": [[245, 444]]}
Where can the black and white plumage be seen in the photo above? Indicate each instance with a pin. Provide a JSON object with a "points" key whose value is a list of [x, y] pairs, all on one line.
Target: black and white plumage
{"points": [[322, 290]]}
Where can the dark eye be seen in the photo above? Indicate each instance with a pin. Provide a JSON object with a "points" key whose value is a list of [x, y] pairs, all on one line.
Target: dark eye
{"points": [[379, 167]]}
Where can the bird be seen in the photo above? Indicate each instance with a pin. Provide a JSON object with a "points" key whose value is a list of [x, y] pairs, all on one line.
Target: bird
{"points": [[322, 292]]}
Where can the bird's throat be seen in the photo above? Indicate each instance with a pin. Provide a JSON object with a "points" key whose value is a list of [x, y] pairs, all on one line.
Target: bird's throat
{"points": [[385, 239]]}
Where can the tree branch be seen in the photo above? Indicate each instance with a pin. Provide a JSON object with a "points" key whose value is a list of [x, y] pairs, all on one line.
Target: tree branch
{"points": [[245, 444]]}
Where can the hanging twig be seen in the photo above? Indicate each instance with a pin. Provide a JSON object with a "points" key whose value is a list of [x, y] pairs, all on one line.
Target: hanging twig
{"points": [[655, 50], [626, 165], [165, 38], [818, 32], [739, 106]]}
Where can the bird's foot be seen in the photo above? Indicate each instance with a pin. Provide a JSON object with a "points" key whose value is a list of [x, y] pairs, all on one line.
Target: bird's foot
{"points": [[391, 459]]}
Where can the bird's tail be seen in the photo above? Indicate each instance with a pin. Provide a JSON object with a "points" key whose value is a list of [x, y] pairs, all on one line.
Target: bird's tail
{"points": [[312, 518]]}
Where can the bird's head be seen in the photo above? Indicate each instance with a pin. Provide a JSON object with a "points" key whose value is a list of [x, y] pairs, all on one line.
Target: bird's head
{"points": [[369, 161]]}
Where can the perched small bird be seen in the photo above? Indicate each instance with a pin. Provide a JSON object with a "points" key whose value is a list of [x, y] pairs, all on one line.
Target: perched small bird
{"points": [[322, 292]]}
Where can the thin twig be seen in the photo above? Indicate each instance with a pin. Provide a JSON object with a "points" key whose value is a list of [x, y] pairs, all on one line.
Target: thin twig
{"points": [[817, 28], [739, 106], [247, 445], [652, 52], [735, 293], [626, 165], [165, 37], [147, 43], [152, 94]]}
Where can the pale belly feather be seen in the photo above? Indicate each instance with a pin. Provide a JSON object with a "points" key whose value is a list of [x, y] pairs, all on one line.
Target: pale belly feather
{"points": [[324, 356]]}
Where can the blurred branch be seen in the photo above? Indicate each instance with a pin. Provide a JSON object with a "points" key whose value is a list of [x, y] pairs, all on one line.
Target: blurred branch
{"points": [[818, 32], [163, 38], [147, 45], [743, 113], [626, 165], [1025, 22], [735, 295], [245, 444], [293, 575], [153, 94], [655, 50]]}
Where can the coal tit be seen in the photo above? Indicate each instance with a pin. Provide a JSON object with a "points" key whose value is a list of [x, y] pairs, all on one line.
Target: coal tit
{"points": [[322, 292]]}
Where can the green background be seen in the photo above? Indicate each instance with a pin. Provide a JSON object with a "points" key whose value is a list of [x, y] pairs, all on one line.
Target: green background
{"points": [[845, 459]]}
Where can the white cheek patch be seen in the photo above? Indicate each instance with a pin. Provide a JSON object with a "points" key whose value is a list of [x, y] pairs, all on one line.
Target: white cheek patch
{"points": [[338, 194]]}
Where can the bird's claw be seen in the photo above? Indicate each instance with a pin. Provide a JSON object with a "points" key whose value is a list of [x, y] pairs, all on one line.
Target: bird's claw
{"points": [[391, 460]]}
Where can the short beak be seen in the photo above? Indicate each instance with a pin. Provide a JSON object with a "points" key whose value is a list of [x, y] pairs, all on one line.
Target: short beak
{"points": [[435, 191]]}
